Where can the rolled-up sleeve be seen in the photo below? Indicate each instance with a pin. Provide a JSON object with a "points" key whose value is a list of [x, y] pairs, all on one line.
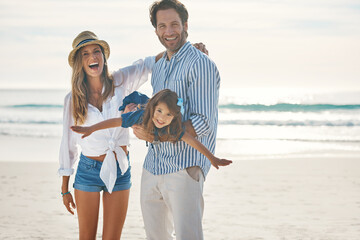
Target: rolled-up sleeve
{"points": [[68, 148], [203, 95], [135, 75]]}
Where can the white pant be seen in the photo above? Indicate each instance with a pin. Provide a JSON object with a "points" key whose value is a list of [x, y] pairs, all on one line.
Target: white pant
{"points": [[172, 201]]}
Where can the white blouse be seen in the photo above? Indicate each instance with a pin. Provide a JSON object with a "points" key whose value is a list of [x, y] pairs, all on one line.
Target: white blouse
{"points": [[105, 141]]}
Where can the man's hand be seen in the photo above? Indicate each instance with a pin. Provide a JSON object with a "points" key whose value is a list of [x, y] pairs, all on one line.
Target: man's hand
{"points": [[140, 133], [189, 128]]}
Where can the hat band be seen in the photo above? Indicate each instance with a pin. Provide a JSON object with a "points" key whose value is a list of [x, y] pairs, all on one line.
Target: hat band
{"points": [[85, 41]]}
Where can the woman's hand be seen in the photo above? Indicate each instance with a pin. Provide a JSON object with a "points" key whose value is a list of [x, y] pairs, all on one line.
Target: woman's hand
{"points": [[69, 203], [86, 131], [131, 107], [200, 46], [216, 162]]}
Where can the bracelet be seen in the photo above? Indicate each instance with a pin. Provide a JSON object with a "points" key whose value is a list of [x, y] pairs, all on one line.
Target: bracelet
{"points": [[63, 194]]}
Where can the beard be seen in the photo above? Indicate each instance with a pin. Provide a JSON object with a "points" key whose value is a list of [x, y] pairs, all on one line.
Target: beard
{"points": [[173, 48]]}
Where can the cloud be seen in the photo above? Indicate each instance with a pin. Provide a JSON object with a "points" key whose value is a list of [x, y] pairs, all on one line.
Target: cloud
{"points": [[294, 43]]}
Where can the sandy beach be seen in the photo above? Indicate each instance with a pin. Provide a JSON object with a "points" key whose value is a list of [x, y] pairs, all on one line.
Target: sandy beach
{"points": [[288, 110], [251, 199]]}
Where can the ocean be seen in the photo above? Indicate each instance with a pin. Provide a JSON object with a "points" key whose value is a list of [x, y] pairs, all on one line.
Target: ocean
{"points": [[256, 124]]}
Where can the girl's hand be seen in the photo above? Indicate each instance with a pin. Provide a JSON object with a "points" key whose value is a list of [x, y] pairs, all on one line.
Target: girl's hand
{"points": [[200, 46], [69, 203], [216, 162], [86, 131]]}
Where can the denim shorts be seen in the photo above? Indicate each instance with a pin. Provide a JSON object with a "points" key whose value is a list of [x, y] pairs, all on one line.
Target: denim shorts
{"points": [[88, 179]]}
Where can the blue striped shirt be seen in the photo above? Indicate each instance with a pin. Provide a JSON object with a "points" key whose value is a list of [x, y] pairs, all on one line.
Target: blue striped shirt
{"points": [[195, 79]]}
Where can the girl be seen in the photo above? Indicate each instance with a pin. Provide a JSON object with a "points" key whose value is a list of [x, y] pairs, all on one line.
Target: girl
{"points": [[161, 116]]}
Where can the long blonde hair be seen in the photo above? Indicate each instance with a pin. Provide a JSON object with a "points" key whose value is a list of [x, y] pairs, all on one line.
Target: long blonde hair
{"points": [[80, 88]]}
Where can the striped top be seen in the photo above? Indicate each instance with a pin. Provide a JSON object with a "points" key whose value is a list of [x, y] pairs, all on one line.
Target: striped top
{"points": [[195, 79]]}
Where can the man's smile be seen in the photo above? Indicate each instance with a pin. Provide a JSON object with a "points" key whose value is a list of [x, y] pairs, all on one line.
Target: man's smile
{"points": [[171, 39]]}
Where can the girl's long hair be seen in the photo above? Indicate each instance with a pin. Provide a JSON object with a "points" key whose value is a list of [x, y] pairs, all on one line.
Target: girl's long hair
{"points": [[80, 88], [174, 129]]}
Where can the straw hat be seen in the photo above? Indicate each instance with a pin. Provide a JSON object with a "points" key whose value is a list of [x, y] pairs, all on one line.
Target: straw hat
{"points": [[87, 38]]}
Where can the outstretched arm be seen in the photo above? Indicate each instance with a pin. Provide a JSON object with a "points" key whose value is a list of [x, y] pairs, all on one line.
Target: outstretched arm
{"points": [[193, 142], [86, 131], [110, 123]]}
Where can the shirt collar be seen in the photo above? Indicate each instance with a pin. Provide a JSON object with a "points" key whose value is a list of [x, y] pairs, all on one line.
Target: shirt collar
{"points": [[159, 131], [180, 53]]}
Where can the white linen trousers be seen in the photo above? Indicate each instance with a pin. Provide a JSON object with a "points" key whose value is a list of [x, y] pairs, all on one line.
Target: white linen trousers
{"points": [[172, 202]]}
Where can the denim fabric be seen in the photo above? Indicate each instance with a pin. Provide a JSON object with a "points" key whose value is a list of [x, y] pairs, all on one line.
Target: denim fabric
{"points": [[87, 177]]}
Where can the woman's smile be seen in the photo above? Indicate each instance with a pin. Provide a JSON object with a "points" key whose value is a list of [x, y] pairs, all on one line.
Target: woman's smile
{"points": [[94, 65], [93, 60]]}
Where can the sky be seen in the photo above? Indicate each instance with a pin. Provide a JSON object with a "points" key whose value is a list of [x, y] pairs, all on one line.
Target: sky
{"points": [[297, 44]]}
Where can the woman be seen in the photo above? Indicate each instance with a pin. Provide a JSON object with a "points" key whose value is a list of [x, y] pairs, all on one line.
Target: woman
{"points": [[104, 161], [96, 96]]}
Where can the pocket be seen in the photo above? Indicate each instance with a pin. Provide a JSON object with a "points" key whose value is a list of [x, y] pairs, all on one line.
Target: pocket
{"points": [[86, 166], [177, 85], [194, 173]]}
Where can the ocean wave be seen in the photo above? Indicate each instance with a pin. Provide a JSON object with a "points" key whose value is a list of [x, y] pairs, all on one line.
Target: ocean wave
{"points": [[30, 134], [34, 106], [57, 134], [280, 107], [291, 123], [306, 123], [287, 107], [292, 139], [24, 121]]}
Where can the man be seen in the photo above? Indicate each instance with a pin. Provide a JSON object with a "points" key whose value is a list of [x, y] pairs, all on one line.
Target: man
{"points": [[173, 174]]}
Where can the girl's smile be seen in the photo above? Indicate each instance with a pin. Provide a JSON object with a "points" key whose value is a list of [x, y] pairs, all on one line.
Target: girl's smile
{"points": [[162, 116]]}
